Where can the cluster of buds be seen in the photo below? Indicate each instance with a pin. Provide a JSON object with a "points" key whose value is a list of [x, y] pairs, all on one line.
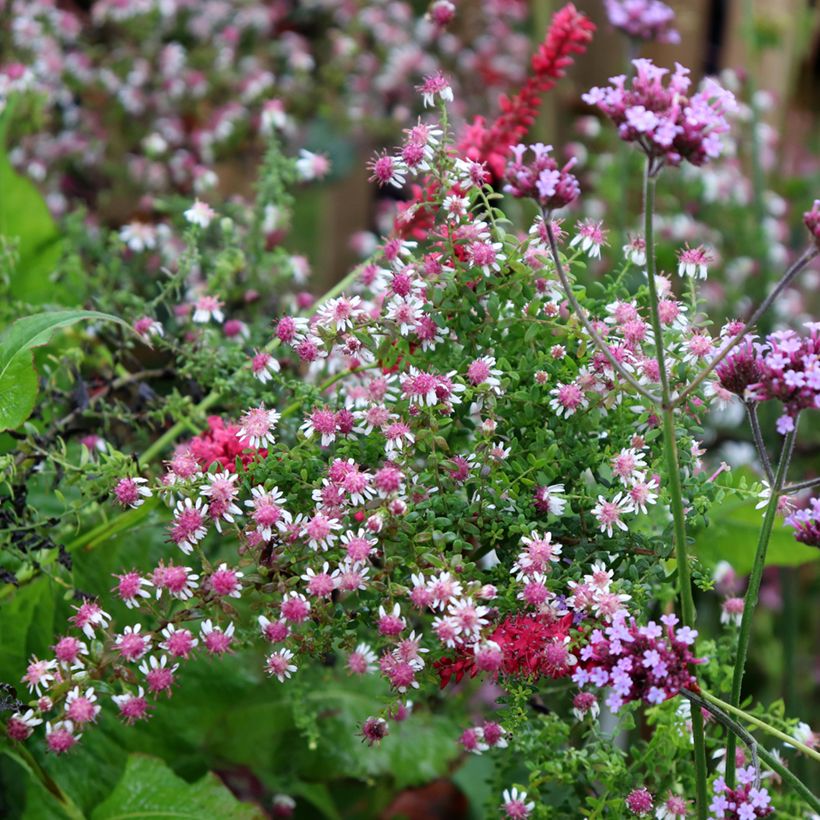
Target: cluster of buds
{"points": [[661, 118], [540, 179]]}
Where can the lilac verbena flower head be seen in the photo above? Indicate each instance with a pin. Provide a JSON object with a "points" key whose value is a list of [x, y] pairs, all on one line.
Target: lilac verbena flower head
{"points": [[643, 19], [660, 116], [812, 221], [745, 802], [806, 523], [790, 372], [740, 370], [540, 178], [649, 663]]}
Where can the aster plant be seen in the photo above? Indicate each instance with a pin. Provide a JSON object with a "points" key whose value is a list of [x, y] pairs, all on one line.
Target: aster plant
{"points": [[455, 491]]}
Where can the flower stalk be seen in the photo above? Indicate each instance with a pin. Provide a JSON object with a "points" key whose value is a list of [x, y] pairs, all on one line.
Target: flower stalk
{"points": [[753, 589], [687, 602]]}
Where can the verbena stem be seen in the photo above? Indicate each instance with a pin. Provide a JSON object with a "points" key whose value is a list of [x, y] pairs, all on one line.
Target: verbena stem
{"points": [[673, 475], [760, 444], [752, 590]]}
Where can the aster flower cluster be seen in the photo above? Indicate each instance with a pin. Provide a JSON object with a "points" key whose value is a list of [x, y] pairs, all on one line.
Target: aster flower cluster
{"points": [[660, 116], [209, 82]]}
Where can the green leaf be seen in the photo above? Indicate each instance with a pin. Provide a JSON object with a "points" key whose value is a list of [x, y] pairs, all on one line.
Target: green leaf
{"points": [[24, 216], [733, 533], [149, 789], [18, 378]]}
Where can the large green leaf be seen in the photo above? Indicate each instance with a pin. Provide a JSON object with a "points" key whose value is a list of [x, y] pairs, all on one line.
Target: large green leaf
{"points": [[24, 217], [733, 533], [18, 379], [149, 789]]}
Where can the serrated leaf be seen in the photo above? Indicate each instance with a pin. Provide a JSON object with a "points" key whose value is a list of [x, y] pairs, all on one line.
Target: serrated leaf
{"points": [[18, 378], [150, 790]]}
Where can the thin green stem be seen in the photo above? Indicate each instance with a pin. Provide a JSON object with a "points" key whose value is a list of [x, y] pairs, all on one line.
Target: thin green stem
{"points": [[763, 726], [790, 777], [752, 590], [673, 474]]}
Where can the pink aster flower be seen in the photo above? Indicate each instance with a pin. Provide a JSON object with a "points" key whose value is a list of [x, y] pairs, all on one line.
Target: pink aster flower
{"points": [[278, 664], [61, 736], [159, 676], [132, 707], [568, 399], [361, 660], [515, 804], [178, 643], [132, 644], [256, 427], [215, 639], [694, 262], [639, 802], [263, 366], [69, 651], [131, 587], [200, 214], [130, 492], [295, 608], [207, 308], [267, 511], [321, 421], [374, 730], [435, 85], [387, 170], [273, 631], [147, 327], [190, 524], [547, 499], [225, 582], [88, 617], [81, 707], [320, 584], [609, 513], [180, 582], [39, 674], [590, 238], [320, 530], [731, 611], [20, 725]]}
